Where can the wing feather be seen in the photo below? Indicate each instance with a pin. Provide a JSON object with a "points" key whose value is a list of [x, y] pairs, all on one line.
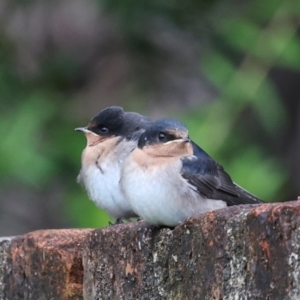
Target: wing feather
{"points": [[211, 181]]}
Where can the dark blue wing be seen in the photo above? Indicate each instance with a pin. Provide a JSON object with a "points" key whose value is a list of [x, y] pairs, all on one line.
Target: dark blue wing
{"points": [[199, 152], [211, 181]]}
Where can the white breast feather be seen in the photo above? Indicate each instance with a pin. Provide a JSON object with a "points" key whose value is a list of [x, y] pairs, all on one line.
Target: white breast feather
{"points": [[161, 196], [102, 184]]}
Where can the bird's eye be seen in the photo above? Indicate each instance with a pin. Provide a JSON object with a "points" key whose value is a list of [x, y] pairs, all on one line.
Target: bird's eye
{"points": [[103, 129], [161, 136]]}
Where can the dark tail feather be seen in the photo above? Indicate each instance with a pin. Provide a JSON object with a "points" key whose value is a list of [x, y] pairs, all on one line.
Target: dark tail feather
{"points": [[246, 197]]}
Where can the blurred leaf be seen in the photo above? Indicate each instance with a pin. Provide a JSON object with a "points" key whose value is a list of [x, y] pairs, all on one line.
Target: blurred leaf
{"points": [[241, 33], [275, 43], [135, 15], [218, 68], [290, 54], [270, 108], [266, 10], [260, 175], [84, 212], [21, 137]]}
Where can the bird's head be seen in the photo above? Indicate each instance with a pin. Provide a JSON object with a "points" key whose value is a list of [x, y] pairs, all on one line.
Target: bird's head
{"points": [[106, 124], [113, 122], [166, 138]]}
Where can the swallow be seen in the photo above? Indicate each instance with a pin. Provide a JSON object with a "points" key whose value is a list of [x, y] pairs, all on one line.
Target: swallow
{"points": [[168, 178], [111, 135]]}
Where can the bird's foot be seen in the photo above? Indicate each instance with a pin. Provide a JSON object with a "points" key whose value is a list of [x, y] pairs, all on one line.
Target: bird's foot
{"points": [[118, 221]]}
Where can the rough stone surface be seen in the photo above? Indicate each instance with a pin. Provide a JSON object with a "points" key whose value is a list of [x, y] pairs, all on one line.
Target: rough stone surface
{"points": [[243, 252], [4, 246], [45, 265]]}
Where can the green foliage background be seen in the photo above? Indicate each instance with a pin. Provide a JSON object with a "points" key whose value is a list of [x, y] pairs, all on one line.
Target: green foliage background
{"points": [[240, 46]]}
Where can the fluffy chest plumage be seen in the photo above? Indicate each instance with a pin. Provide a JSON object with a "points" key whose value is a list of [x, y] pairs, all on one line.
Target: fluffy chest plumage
{"points": [[100, 174], [158, 193]]}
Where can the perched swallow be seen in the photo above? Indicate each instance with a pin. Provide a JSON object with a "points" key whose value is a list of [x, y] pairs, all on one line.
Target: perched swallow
{"points": [[167, 178], [111, 135]]}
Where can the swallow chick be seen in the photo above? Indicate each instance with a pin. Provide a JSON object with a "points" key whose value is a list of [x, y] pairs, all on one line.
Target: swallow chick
{"points": [[111, 135], [167, 178]]}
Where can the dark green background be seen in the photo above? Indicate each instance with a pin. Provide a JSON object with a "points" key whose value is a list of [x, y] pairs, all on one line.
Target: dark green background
{"points": [[228, 70]]}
